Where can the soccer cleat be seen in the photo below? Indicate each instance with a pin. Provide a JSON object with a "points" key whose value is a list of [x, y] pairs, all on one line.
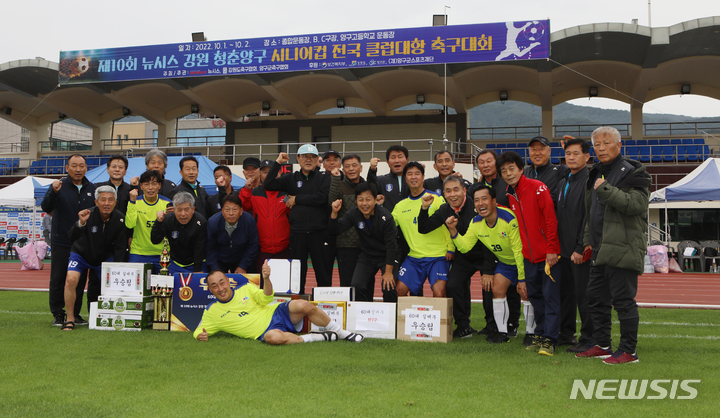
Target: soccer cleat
{"points": [[536, 343], [465, 332], [595, 352], [484, 331], [497, 338], [59, 320], [79, 321], [529, 340], [547, 348], [621, 357], [512, 331]]}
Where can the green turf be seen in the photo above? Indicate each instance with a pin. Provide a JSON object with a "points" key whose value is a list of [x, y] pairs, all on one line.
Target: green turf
{"points": [[47, 372]]}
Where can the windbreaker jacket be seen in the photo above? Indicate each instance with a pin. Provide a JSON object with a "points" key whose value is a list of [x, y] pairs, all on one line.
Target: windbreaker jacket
{"points": [[96, 241], [187, 242], [200, 195], [65, 205], [270, 213], [532, 203]]}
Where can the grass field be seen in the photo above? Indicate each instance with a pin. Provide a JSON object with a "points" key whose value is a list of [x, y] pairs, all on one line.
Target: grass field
{"points": [[46, 372]]}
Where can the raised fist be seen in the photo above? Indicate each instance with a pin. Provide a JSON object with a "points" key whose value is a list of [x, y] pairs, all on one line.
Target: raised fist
{"points": [[374, 163], [57, 184], [160, 215], [335, 171], [135, 181], [282, 158], [84, 215], [336, 206], [427, 200], [133, 195]]}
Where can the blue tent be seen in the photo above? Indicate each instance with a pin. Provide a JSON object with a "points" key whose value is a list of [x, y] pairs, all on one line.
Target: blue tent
{"points": [[136, 167], [703, 183]]}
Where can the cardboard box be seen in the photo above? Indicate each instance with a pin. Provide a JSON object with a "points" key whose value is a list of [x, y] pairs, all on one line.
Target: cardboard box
{"points": [[335, 310], [424, 319], [372, 319], [334, 294], [285, 275], [126, 279], [119, 322], [125, 305]]}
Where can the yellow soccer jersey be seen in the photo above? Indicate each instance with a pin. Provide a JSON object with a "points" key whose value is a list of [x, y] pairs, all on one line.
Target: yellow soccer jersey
{"points": [[247, 314], [434, 244], [503, 239], [140, 217]]}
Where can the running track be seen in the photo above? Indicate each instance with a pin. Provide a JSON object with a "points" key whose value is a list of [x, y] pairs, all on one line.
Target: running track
{"points": [[689, 290]]}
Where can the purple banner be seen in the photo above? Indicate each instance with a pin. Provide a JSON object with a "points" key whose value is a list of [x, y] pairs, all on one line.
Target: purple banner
{"points": [[383, 48]]}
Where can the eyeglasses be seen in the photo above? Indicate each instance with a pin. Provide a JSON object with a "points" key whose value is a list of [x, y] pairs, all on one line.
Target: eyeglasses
{"points": [[307, 156]]}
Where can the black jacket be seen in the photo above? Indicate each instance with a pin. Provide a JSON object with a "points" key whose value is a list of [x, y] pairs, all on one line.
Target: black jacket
{"points": [[570, 211], [96, 241], [201, 197], [549, 174], [388, 185], [465, 217], [377, 235], [435, 184], [311, 210], [123, 194], [165, 190], [500, 186], [187, 242], [65, 205]]}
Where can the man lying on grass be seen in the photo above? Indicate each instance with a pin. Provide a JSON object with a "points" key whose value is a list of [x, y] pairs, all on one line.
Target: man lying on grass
{"points": [[246, 312]]}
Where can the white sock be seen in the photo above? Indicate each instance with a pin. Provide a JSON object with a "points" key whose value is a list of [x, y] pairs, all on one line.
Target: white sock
{"points": [[334, 326], [312, 338], [529, 313], [500, 312]]}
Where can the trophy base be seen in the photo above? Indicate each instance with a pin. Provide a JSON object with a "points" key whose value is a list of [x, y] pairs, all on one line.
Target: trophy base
{"points": [[161, 326]]}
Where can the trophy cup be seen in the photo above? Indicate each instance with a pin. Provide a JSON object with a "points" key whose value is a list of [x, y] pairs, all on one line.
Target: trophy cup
{"points": [[164, 259], [162, 298]]}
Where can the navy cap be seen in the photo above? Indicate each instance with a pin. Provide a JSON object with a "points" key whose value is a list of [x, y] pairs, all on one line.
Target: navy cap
{"points": [[251, 162], [540, 139]]}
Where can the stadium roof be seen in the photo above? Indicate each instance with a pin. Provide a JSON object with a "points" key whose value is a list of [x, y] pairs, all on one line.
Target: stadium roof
{"points": [[636, 63]]}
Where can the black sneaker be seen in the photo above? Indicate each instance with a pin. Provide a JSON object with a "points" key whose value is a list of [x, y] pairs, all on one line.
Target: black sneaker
{"points": [[59, 320], [572, 341], [80, 321], [465, 332], [498, 338], [529, 340], [484, 331], [512, 331], [578, 348]]}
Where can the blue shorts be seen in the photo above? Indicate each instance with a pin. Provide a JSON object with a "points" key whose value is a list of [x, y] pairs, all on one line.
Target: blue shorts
{"points": [[77, 263], [281, 321], [147, 259], [508, 271], [414, 271]]}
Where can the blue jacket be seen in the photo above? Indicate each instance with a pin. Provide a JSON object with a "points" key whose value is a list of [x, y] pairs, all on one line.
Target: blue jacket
{"points": [[243, 246], [65, 205]]}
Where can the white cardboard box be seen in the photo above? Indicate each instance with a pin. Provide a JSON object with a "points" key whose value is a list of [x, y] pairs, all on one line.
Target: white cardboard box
{"points": [[285, 275], [334, 294], [126, 279], [372, 319], [110, 304], [335, 310]]}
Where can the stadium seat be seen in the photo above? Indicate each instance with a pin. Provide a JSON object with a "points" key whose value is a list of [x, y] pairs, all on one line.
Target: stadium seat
{"points": [[491, 146], [664, 142], [699, 141], [629, 142], [653, 142], [681, 153], [687, 141], [630, 152], [692, 153], [656, 153], [642, 142], [668, 154], [676, 141], [644, 154], [555, 154]]}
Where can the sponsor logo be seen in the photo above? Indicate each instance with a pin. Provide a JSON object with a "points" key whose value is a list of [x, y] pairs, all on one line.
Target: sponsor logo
{"points": [[299, 184], [389, 187], [634, 389]]}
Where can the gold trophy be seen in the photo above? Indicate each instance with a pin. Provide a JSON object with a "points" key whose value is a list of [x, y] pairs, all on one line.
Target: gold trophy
{"points": [[165, 259]]}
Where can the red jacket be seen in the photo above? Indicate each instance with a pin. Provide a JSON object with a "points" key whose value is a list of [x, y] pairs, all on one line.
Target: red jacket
{"points": [[533, 205], [270, 213]]}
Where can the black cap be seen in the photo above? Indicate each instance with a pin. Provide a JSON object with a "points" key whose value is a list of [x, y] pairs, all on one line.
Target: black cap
{"points": [[331, 152], [266, 163], [540, 139], [251, 162]]}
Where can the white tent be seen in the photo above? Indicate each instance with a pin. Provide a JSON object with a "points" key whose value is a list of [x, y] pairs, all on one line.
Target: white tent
{"points": [[22, 195]]}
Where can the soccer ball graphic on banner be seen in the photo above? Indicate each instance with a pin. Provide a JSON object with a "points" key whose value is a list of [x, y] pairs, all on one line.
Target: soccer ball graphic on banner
{"points": [[535, 31], [73, 67]]}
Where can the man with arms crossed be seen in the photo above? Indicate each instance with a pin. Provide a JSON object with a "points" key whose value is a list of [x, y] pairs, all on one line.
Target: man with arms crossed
{"points": [[246, 312], [497, 229]]}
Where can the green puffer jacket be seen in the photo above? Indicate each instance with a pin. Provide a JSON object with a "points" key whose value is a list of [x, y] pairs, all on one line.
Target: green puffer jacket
{"points": [[342, 188], [625, 222]]}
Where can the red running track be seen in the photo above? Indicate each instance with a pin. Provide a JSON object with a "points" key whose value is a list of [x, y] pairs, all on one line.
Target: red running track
{"points": [[696, 290]]}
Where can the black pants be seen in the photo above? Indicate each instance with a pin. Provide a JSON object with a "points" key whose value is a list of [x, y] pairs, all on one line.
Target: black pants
{"points": [[364, 279], [93, 288], [544, 295], [261, 257], [610, 287], [317, 246], [458, 288], [347, 259], [58, 273], [573, 301]]}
